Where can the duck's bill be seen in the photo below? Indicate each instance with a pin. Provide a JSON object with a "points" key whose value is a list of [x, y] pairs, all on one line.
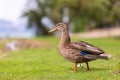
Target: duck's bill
{"points": [[52, 30]]}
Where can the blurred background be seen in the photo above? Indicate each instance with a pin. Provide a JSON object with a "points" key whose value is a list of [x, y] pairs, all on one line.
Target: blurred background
{"points": [[86, 18]]}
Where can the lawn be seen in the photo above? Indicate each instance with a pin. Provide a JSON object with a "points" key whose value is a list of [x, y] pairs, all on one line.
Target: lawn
{"points": [[47, 64]]}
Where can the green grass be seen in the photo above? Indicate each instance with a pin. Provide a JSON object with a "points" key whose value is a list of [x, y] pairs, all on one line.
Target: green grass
{"points": [[48, 64]]}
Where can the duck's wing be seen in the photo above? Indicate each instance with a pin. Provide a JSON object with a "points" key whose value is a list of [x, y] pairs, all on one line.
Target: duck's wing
{"points": [[90, 49]]}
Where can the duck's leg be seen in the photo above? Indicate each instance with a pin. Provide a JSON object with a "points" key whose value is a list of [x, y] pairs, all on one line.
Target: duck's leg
{"points": [[75, 67], [87, 65]]}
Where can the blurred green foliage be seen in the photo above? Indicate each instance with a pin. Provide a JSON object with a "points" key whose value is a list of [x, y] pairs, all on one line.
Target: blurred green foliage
{"points": [[84, 14]]}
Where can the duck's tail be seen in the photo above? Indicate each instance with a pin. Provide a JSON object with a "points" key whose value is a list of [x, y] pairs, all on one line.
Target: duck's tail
{"points": [[104, 56], [101, 56]]}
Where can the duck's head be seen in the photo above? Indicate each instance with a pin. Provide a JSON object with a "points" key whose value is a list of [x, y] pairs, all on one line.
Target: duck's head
{"points": [[59, 27]]}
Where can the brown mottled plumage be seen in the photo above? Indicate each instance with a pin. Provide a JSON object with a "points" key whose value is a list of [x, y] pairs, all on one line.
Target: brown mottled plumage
{"points": [[72, 51]]}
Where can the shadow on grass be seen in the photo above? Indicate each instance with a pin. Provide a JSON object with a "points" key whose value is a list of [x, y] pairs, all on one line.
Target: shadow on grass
{"points": [[83, 69], [99, 69]]}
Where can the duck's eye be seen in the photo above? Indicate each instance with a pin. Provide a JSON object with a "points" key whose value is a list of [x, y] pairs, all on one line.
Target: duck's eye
{"points": [[60, 24], [57, 25]]}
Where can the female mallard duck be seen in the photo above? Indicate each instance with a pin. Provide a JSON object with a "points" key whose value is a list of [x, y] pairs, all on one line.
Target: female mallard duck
{"points": [[77, 52]]}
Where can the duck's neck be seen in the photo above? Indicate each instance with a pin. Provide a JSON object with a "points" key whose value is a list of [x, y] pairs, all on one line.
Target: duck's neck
{"points": [[65, 38]]}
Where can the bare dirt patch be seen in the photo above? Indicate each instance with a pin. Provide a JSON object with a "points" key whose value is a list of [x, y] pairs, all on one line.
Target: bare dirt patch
{"points": [[7, 45], [27, 43]]}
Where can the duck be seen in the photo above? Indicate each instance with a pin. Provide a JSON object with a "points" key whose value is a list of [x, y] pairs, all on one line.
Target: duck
{"points": [[77, 52]]}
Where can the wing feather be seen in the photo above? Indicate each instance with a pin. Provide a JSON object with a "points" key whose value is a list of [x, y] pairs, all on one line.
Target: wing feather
{"points": [[83, 46]]}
